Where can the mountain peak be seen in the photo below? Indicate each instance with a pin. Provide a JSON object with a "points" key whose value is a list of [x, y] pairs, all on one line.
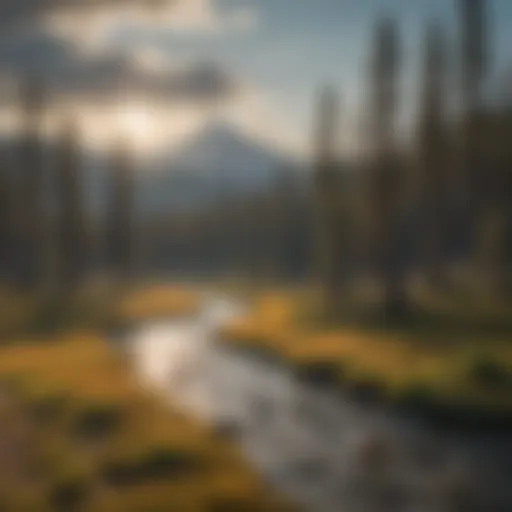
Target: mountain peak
{"points": [[221, 149], [218, 134], [217, 161]]}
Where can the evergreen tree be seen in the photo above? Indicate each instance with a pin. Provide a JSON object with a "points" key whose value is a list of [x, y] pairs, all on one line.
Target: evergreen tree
{"points": [[71, 232], [31, 214], [5, 224], [385, 177], [474, 70], [432, 153], [120, 221], [327, 254]]}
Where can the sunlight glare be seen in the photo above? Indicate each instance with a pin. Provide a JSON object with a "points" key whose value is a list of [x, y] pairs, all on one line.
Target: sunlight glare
{"points": [[138, 125]]}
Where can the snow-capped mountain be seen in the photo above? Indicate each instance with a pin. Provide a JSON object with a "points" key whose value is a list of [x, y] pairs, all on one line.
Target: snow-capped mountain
{"points": [[218, 160]]}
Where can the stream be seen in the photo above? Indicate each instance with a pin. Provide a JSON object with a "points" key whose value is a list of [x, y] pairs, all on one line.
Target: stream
{"points": [[325, 451]]}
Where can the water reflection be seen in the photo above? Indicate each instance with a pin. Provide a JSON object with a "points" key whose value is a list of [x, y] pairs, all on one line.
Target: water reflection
{"points": [[328, 452]]}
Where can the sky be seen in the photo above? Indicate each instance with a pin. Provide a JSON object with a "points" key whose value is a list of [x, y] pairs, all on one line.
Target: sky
{"points": [[161, 69]]}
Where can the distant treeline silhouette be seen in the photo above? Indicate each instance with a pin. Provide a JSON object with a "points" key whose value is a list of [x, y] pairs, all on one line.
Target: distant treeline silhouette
{"points": [[396, 211], [46, 235]]}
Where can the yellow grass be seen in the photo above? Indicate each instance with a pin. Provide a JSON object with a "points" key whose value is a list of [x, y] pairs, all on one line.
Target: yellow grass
{"points": [[80, 365], [157, 301], [394, 361]]}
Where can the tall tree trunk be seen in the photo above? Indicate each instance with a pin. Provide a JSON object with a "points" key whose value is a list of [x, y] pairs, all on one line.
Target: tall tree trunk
{"points": [[327, 235], [31, 247], [71, 235]]}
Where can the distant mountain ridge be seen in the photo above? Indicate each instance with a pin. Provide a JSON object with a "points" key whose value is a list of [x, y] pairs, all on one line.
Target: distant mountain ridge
{"points": [[217, 161]]}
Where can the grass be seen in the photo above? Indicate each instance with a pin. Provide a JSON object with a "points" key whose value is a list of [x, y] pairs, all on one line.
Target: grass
{"points": [[157, 301], [88, 437], [450, 362], [26, 315]]}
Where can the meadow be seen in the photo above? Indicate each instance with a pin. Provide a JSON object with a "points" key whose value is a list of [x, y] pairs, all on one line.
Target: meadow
{"points": [[79, 432], [451, 358]]}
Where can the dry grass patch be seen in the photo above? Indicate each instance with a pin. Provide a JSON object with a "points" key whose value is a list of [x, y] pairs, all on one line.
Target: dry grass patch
{"points": [[396, 360], [158, 301], [147, 457]]}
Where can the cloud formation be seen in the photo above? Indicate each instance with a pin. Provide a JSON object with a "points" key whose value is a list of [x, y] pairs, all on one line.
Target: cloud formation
{"points": [[69, 73], [94, 19], [53, 48], [14, 13], [49, 41]]}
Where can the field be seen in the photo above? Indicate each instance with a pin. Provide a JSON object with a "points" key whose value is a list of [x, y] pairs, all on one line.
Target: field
{"points": [[456, 358], [78, 432]]}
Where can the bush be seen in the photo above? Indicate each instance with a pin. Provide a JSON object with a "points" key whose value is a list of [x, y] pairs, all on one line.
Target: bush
{"points": [[490, 374], [97, 421], [418, 398], [156, 464], [69, 493], [163, 462]]}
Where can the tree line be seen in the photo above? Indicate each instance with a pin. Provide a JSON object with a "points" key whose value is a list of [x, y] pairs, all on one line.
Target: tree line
{"points": [[398, 210], [46, 234], [448, 194]]}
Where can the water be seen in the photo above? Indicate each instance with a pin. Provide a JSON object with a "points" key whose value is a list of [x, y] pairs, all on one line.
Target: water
{"points": [[327, 452]]}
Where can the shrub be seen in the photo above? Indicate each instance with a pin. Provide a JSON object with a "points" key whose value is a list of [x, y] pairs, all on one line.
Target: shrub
{"points": [[158, 463], [489, 373], [69, 493], [97, 421], [164, 462], [418, 398]]}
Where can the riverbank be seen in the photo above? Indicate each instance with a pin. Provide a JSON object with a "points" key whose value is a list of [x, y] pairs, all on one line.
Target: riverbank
{"points": [[79, 432], [449, 376]]}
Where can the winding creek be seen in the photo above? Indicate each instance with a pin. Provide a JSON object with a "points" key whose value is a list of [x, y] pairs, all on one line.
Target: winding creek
{"points": [[325, 451]]}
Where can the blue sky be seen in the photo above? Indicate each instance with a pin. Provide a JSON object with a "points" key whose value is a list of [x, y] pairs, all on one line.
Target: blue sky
{"points": [[295, 46], [277, 52]]}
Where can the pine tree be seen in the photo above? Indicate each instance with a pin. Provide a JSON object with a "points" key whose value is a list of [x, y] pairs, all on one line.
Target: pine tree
{"points": [[31, 213], [120, 221], [5, 198], [474, 71], [279, 229], [71, 232], [432, 152], [327, 254], [385, 176]]}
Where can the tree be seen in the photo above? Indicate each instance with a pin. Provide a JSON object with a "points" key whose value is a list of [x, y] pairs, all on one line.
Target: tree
{"points": [[432, 150], [120, 221], [327, 254], [5, 215], [474, 71], [385, 176], [31, 254], [71, 232]]}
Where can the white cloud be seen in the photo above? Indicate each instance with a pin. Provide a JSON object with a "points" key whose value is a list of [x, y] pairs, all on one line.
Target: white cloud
{"points": [[95, 26], [257, 113], [169, 123]]}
